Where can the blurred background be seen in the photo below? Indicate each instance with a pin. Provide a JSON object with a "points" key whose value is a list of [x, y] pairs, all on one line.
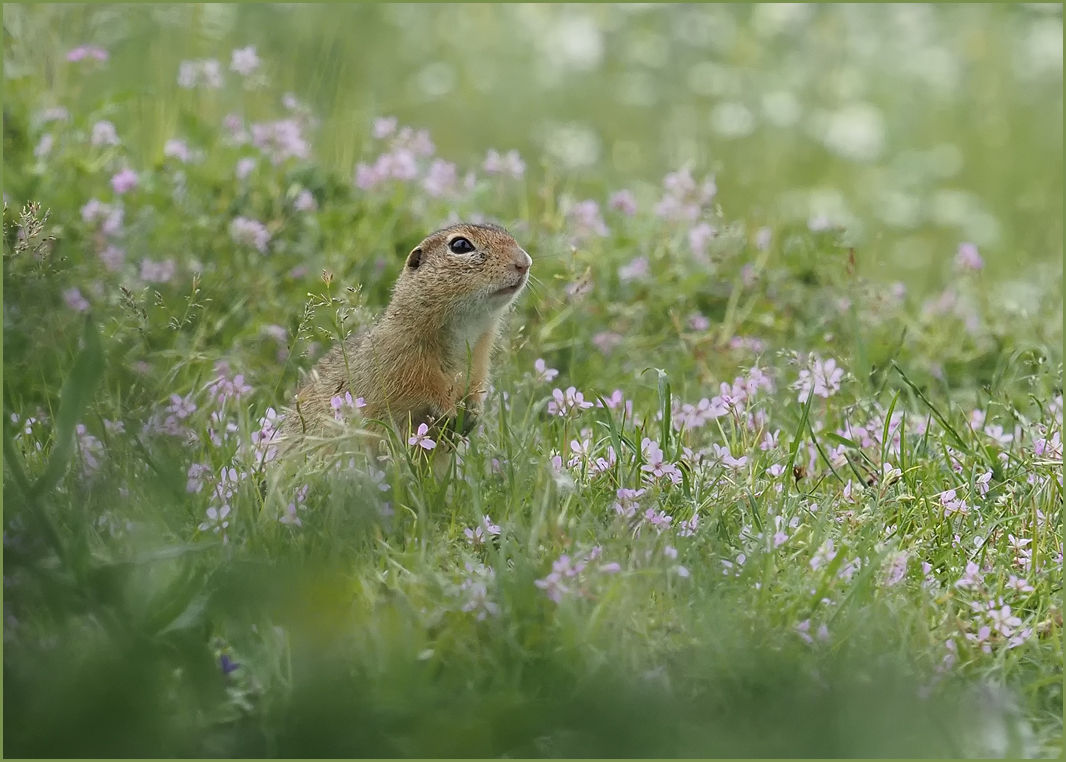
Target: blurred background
{"points": [[916, 126]]}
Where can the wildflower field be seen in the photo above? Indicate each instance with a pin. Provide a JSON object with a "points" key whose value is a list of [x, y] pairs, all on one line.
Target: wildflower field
{"points": [[772, 460]]}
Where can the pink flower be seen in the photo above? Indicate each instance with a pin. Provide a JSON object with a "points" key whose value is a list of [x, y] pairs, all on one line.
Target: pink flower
{"points": [[244, 61], [508, 164], [83, 52], [823, 378], [245, 167], [606, 341], [656, 466], [698, 322], [75, 300], [660, 520], [384, 127], [824, 555], [44, 147], [113, 258], [967, 257], [897, 569], [698, 238], [280, 140], [421, 439], [55, 114], [193, 73], [441, 178], [627, 503], [683, 199], [177, 149], [1019, 584], [104, 134], [250, 233], [304, 202], [564, 403], [158, 272], [124, 181], [586, 219], [635, 270], [624, 202], [543, 372], [971, 577]]}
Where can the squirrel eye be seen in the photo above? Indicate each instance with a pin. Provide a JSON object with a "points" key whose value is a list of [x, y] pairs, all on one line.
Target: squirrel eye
{"points": [[461, 246]]}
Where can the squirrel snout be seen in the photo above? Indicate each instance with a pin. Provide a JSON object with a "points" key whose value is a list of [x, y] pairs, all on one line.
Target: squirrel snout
{"points": [[522, 261]]}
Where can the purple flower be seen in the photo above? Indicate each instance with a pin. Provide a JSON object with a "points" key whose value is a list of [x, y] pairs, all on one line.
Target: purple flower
{"points": [[245, 167], [280, 140], [158, 272], [823, 378], [193, 73], [421, 439], [305, 202], [635, 270], [113, 222], [698, 238], [611, 568], [683, 198], [441, 178], [104, 134], [967, 257], [971, 578], [508, 164], [124, 181], [217, 519], [44, 147], [416, 142], [244, 61], [606, 341], [544, 373], [624, 202], [698, 322], [897, 569], [564, 403], [227, 666], [384, 127], [585, 216], [177, 149], [57, 113], [823, 555], [250, 232], [75, 300], [628, 502], [83, 52], [762, 239], [338, 403]]}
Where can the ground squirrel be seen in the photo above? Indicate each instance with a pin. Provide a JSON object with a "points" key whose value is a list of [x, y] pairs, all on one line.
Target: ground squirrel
{"points": [[426, 360]]}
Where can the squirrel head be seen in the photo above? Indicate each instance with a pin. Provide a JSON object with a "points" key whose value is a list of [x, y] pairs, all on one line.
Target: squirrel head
{"points": [[462, 277]]}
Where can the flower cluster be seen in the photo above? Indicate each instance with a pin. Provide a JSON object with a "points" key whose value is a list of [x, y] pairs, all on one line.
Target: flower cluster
{"points": [[567, 403], [683, 198]]}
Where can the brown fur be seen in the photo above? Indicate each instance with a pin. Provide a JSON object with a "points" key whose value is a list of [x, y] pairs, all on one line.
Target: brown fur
{"points": [[429, 353]]}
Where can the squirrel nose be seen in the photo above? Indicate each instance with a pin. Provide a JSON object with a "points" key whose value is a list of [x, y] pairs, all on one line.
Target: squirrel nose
{"points": [[522, 261]]}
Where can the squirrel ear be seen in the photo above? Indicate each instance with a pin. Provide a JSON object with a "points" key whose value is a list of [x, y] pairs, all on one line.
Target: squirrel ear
{"points": [[414, 259]]}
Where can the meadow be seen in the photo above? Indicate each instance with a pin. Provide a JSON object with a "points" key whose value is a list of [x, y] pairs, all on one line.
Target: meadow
{"points": [[772, 461]]}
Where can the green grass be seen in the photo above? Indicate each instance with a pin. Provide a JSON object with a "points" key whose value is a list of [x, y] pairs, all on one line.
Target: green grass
{"points": [[804, 598]]}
